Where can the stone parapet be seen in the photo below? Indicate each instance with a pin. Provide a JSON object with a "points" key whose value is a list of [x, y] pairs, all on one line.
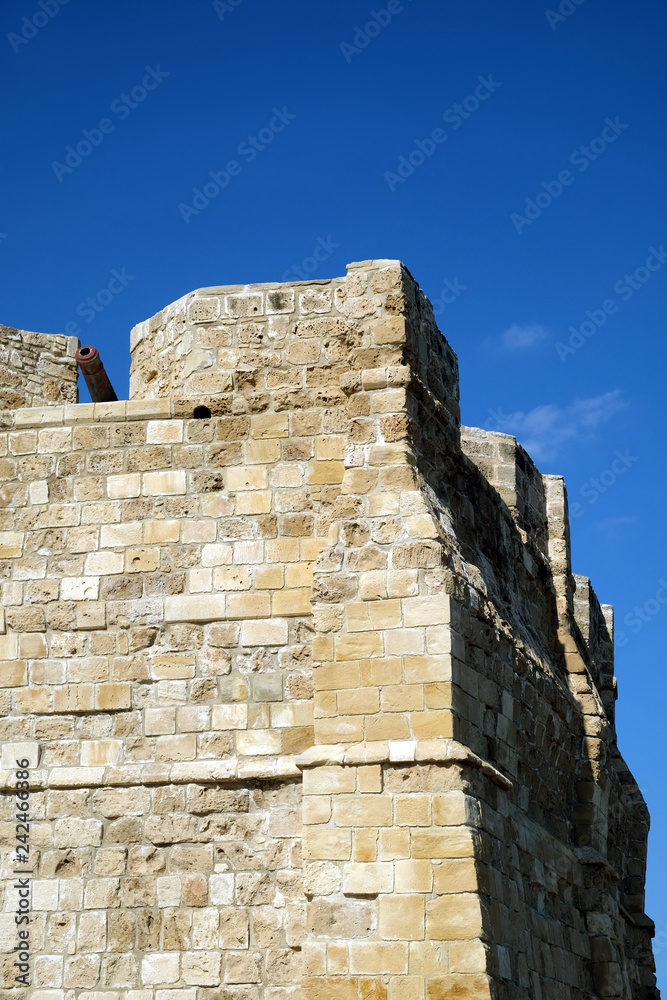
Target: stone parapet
{"points": [[36, 369]]}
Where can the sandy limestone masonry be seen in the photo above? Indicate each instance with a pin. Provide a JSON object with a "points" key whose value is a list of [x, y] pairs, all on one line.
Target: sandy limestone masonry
{"points": [[314, 705], [36, 369]]}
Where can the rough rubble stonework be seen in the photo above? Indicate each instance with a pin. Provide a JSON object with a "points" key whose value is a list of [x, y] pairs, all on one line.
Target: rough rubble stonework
{"points": [[313, 704], [36, 369]]}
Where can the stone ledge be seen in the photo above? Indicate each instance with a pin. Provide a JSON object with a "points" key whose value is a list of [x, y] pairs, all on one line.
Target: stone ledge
{"points": [[589, 856], [189, 772], [87, 413], [394, 377], [441, 751], [641, 920]]}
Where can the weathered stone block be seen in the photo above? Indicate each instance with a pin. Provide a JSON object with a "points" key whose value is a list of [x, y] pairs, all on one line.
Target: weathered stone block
{"points": [[454, 917], [196, 608]]}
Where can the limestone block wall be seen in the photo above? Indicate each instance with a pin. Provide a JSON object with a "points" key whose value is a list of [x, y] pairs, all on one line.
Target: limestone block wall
{"points": [[159, 702], [313, 703], [36, 369]]}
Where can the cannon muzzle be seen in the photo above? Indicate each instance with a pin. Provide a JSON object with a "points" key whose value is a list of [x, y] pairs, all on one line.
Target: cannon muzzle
{"points": [[100, 388]]}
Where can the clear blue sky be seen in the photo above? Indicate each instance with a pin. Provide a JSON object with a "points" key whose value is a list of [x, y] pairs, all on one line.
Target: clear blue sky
{"points": [[324, 173]]}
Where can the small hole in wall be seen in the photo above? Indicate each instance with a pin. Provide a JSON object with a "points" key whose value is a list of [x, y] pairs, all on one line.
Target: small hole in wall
{"points": [[201, 413]]}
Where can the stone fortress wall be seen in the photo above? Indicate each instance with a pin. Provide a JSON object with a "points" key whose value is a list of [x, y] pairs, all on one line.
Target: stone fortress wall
{"points": [[36, 369], [314, 705]]}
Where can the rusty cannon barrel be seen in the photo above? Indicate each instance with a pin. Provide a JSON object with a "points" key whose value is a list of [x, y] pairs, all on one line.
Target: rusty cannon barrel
{"points": [[100, 388]]}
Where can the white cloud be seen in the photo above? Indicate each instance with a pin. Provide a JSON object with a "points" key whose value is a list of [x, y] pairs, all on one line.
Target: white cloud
{"points": [[544, 430], [520, 336], [613, 527]]}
